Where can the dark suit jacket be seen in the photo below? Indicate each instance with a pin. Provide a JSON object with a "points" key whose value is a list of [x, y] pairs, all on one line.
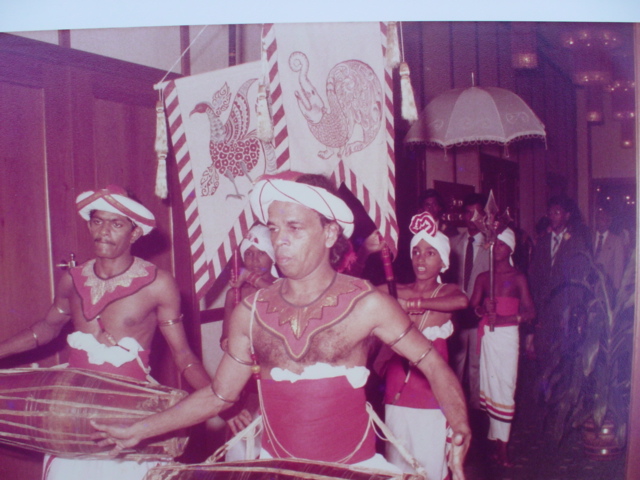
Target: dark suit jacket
{"points": [[570, 263]]}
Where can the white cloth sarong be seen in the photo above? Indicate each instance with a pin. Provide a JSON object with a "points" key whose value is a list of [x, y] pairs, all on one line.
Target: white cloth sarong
{"points": [[422, 431], [498, 374]]}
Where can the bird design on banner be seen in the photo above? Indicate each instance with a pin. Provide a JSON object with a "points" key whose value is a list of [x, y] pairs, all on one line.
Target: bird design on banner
{"points": [[354, 97], [235, 151]]}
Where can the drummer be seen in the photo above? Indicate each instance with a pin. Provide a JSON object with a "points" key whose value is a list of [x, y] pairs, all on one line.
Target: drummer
{"points": [[115, 301], [309, 337]]}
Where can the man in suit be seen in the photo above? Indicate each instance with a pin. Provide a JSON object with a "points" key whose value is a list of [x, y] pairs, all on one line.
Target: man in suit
{"points": [[559, 256], [609, 247], [469, 258]]}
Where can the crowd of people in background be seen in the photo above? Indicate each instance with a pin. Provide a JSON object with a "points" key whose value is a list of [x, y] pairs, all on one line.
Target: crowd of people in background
{"points": [[302, 333]]}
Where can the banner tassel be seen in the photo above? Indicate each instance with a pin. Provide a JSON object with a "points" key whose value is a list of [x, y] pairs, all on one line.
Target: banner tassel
{"points": [[162, 149], [409, 110], [265, 126], [392, 56]]}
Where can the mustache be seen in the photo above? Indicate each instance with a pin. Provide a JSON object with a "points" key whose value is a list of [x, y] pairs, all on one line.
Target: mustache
{"points": [[102, 240]]}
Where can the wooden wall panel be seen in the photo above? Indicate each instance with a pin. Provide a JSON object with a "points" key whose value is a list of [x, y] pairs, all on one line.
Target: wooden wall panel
{"points": [[26, 289]]}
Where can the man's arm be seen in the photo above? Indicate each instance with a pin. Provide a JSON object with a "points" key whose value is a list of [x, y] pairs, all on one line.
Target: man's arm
{"points": [[170, 324], [201, 405], [45, 330], [393, 329]]}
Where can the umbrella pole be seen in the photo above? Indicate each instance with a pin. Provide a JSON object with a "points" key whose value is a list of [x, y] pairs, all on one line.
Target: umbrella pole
{"points": [[235, 271]]}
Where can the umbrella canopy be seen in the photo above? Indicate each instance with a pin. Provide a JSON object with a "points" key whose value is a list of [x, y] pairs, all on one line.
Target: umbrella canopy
{"points": [[467, 116]]}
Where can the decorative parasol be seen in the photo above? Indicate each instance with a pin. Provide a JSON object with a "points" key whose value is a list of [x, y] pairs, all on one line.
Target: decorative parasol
{"points": [[475, 115]]}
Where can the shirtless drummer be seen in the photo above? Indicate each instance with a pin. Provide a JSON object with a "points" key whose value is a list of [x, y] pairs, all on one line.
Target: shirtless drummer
{"points": [[115, 301], [308, 336]]}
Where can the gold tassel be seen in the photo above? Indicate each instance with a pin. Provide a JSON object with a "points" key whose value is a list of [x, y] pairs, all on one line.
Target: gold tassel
{"points": [[409, 110], [393, 46], [162, 149], [265, 127]]}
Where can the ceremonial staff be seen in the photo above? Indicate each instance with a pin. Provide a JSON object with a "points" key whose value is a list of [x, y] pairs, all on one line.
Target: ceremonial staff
{"points": [[491, 225]]}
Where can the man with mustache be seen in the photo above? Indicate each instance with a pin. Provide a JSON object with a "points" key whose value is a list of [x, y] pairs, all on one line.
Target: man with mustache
{"points": [[306, 337], [115, 302]]}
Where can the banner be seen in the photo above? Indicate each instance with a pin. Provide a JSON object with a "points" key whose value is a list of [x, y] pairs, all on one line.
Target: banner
{"points": [[212, 124], [332, 105]]}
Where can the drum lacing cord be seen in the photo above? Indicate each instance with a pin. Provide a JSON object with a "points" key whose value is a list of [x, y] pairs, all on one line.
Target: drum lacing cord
{"points": [[249, 434], [383, 432]]}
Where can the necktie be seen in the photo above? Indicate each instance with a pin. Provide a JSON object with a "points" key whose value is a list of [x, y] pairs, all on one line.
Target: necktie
{"points": [[599, 244], [468, 263], [554, 249]]}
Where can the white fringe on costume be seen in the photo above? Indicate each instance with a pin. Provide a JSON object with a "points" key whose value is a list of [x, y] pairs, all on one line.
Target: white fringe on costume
{"points": [[498, 374]]}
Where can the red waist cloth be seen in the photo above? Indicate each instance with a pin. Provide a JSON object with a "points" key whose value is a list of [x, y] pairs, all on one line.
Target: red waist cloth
{"points": [[505, 306], [80, 359], [323, 420], [417, 392]]}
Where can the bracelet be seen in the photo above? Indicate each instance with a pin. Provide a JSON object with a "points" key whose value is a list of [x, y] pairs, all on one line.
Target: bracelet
{"points": [[189, 366], [35, 336], [62, 312], [413, 304], [422, 357], [221, 397], [478, 311], [168, 323]]}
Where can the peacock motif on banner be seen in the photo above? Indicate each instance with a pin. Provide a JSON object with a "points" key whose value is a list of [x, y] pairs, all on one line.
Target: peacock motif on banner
{"points": [[354, 99], [235, 151]]}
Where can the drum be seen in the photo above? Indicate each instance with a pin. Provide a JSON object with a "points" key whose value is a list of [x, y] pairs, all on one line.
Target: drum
{"points": [[275, 469], [49, 409]]}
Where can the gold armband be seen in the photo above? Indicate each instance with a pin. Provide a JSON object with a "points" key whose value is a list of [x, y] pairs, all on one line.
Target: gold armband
{"points": [[168, 323], [189, 366], [221, 397], [421, 357], [239, 360], [401, 336]]}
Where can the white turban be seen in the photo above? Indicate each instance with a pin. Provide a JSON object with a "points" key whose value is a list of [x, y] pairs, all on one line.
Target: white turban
{"points": [[316, 198], [114, 199], [260, 237], [508, 237], [424, 227]]}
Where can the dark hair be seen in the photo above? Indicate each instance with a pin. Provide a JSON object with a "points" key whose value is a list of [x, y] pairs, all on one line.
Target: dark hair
{"points": [[342, 245], [474, 199], [431, 193], [569, 206]]}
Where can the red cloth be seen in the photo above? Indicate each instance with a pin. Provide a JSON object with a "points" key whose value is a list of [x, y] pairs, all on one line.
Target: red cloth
{"points": [[417, 392], [80, 359], [321, 420], [505, 306], [296, 326], [90, 310]]}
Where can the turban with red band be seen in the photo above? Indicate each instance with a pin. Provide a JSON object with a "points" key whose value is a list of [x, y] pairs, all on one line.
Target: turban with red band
{"points": [[114, 199], [424, 227], [270, 189]]}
